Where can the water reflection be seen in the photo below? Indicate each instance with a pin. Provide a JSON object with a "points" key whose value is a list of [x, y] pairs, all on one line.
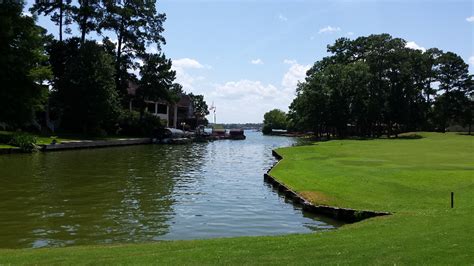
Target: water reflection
{"points": [[144, 193]]}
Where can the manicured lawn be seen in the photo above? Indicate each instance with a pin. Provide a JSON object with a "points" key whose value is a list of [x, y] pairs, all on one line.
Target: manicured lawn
{"points": [[410, 178], [6, 146], [45, 140]]}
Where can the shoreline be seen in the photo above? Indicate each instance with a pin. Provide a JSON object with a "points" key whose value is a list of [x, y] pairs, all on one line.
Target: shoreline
{"points": [[342, 214]]}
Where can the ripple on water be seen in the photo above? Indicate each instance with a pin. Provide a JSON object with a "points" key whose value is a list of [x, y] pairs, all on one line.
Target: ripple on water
{"points": [[145, 193]]}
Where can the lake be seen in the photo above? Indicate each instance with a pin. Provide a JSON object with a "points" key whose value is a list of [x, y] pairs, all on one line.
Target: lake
{"points": [[146, 193]]}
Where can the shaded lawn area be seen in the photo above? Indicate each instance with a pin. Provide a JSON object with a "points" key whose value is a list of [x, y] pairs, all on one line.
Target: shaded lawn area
{"points": [[411, 178], [6, 146], [45, 140]]}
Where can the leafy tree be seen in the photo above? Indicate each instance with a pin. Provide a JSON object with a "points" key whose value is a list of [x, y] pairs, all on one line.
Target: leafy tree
{"points": [[156, 80], [136, 24], [200, 107], [23, 65], [453, 77], [274, 119], [88, 16], [374, 85], [86, 94], [60, 12]]}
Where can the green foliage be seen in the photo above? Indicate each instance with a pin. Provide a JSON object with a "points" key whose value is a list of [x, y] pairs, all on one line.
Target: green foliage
{"points": [[266, 129], [23, 65], [200, 109], [131, 124], [156, 78], [60, 13], [136, 24], [85, 92], [375, 85], [25, 142], [274, 119], [5, 137]]}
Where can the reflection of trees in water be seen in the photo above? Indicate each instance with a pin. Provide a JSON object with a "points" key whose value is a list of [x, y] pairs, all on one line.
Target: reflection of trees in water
{"points": [[85, 196]]}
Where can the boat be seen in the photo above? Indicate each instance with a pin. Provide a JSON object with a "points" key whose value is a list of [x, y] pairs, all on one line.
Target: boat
{"points": [[236, 134]]}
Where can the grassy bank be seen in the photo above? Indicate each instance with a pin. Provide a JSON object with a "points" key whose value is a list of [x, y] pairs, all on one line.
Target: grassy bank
{"points": [[410, 178], [5, 137]]}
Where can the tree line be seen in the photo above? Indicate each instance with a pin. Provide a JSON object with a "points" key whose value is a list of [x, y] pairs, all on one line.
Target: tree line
{"points": [[375, 85], [79, 83]]}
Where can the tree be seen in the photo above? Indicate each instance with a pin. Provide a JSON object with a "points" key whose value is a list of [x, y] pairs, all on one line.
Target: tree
{"points": [[136, 24], [86, 94], [375, 85], [88, 16], [199, 106], [156, 80], [23, 65], [59, 10], [274, 119], [453, 77]]}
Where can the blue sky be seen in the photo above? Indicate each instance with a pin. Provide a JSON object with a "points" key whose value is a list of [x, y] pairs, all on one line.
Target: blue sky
{"points": [[247, 56]]}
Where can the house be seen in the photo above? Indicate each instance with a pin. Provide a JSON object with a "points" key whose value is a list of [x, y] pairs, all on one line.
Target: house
{"points": [[173, 113]]}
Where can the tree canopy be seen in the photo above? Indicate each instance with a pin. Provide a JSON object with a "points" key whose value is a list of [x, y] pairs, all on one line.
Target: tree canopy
{"points": [[376, 85], [274, 119], [23, 65]]}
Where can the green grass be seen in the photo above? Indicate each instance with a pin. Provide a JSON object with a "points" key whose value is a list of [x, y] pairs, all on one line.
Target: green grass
{"points": [[411, 178], [45, 140], [6, 146]]}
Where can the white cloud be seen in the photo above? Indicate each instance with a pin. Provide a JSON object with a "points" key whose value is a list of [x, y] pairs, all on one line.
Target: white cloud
{"points": [[282, 18], [470, 19], [186, 63], [295, 73], [257, 61], [471, 61], [183, 67], [414, 45], [234, 90], [329, 29], [350, 33], [27, 14], [247, 100]]}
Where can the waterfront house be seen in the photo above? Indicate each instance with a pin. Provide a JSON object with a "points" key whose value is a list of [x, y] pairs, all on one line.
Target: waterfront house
{"points": [[174, 114]]}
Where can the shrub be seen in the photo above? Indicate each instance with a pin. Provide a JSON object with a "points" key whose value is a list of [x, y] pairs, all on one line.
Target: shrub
{"points": [[131, 124], [25, 142], [267, 129], [5, 137]]}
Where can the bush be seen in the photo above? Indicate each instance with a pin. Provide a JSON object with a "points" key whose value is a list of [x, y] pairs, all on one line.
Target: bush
{"points": [[267, 129], [131, 124], [25, 142], [5, 137]]}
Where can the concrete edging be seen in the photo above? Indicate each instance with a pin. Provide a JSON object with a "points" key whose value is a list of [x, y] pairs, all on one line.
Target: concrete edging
{"points": [[95, 144], [343, 214]]}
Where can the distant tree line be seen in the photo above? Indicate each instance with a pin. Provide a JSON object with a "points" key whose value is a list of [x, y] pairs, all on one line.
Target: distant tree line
{"points": [[78, 83], [243, 125], [376, 85]]}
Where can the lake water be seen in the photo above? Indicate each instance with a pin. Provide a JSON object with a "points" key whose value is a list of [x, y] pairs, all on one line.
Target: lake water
{"points": [[146, 193]]}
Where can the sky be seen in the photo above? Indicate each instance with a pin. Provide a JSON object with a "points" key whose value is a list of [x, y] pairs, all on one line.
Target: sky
{"points": [[246, 57]]}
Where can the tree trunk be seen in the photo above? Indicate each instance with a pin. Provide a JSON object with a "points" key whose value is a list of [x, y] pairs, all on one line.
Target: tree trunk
{"points": [[119, 56], [84, 21], [60, 20]]}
